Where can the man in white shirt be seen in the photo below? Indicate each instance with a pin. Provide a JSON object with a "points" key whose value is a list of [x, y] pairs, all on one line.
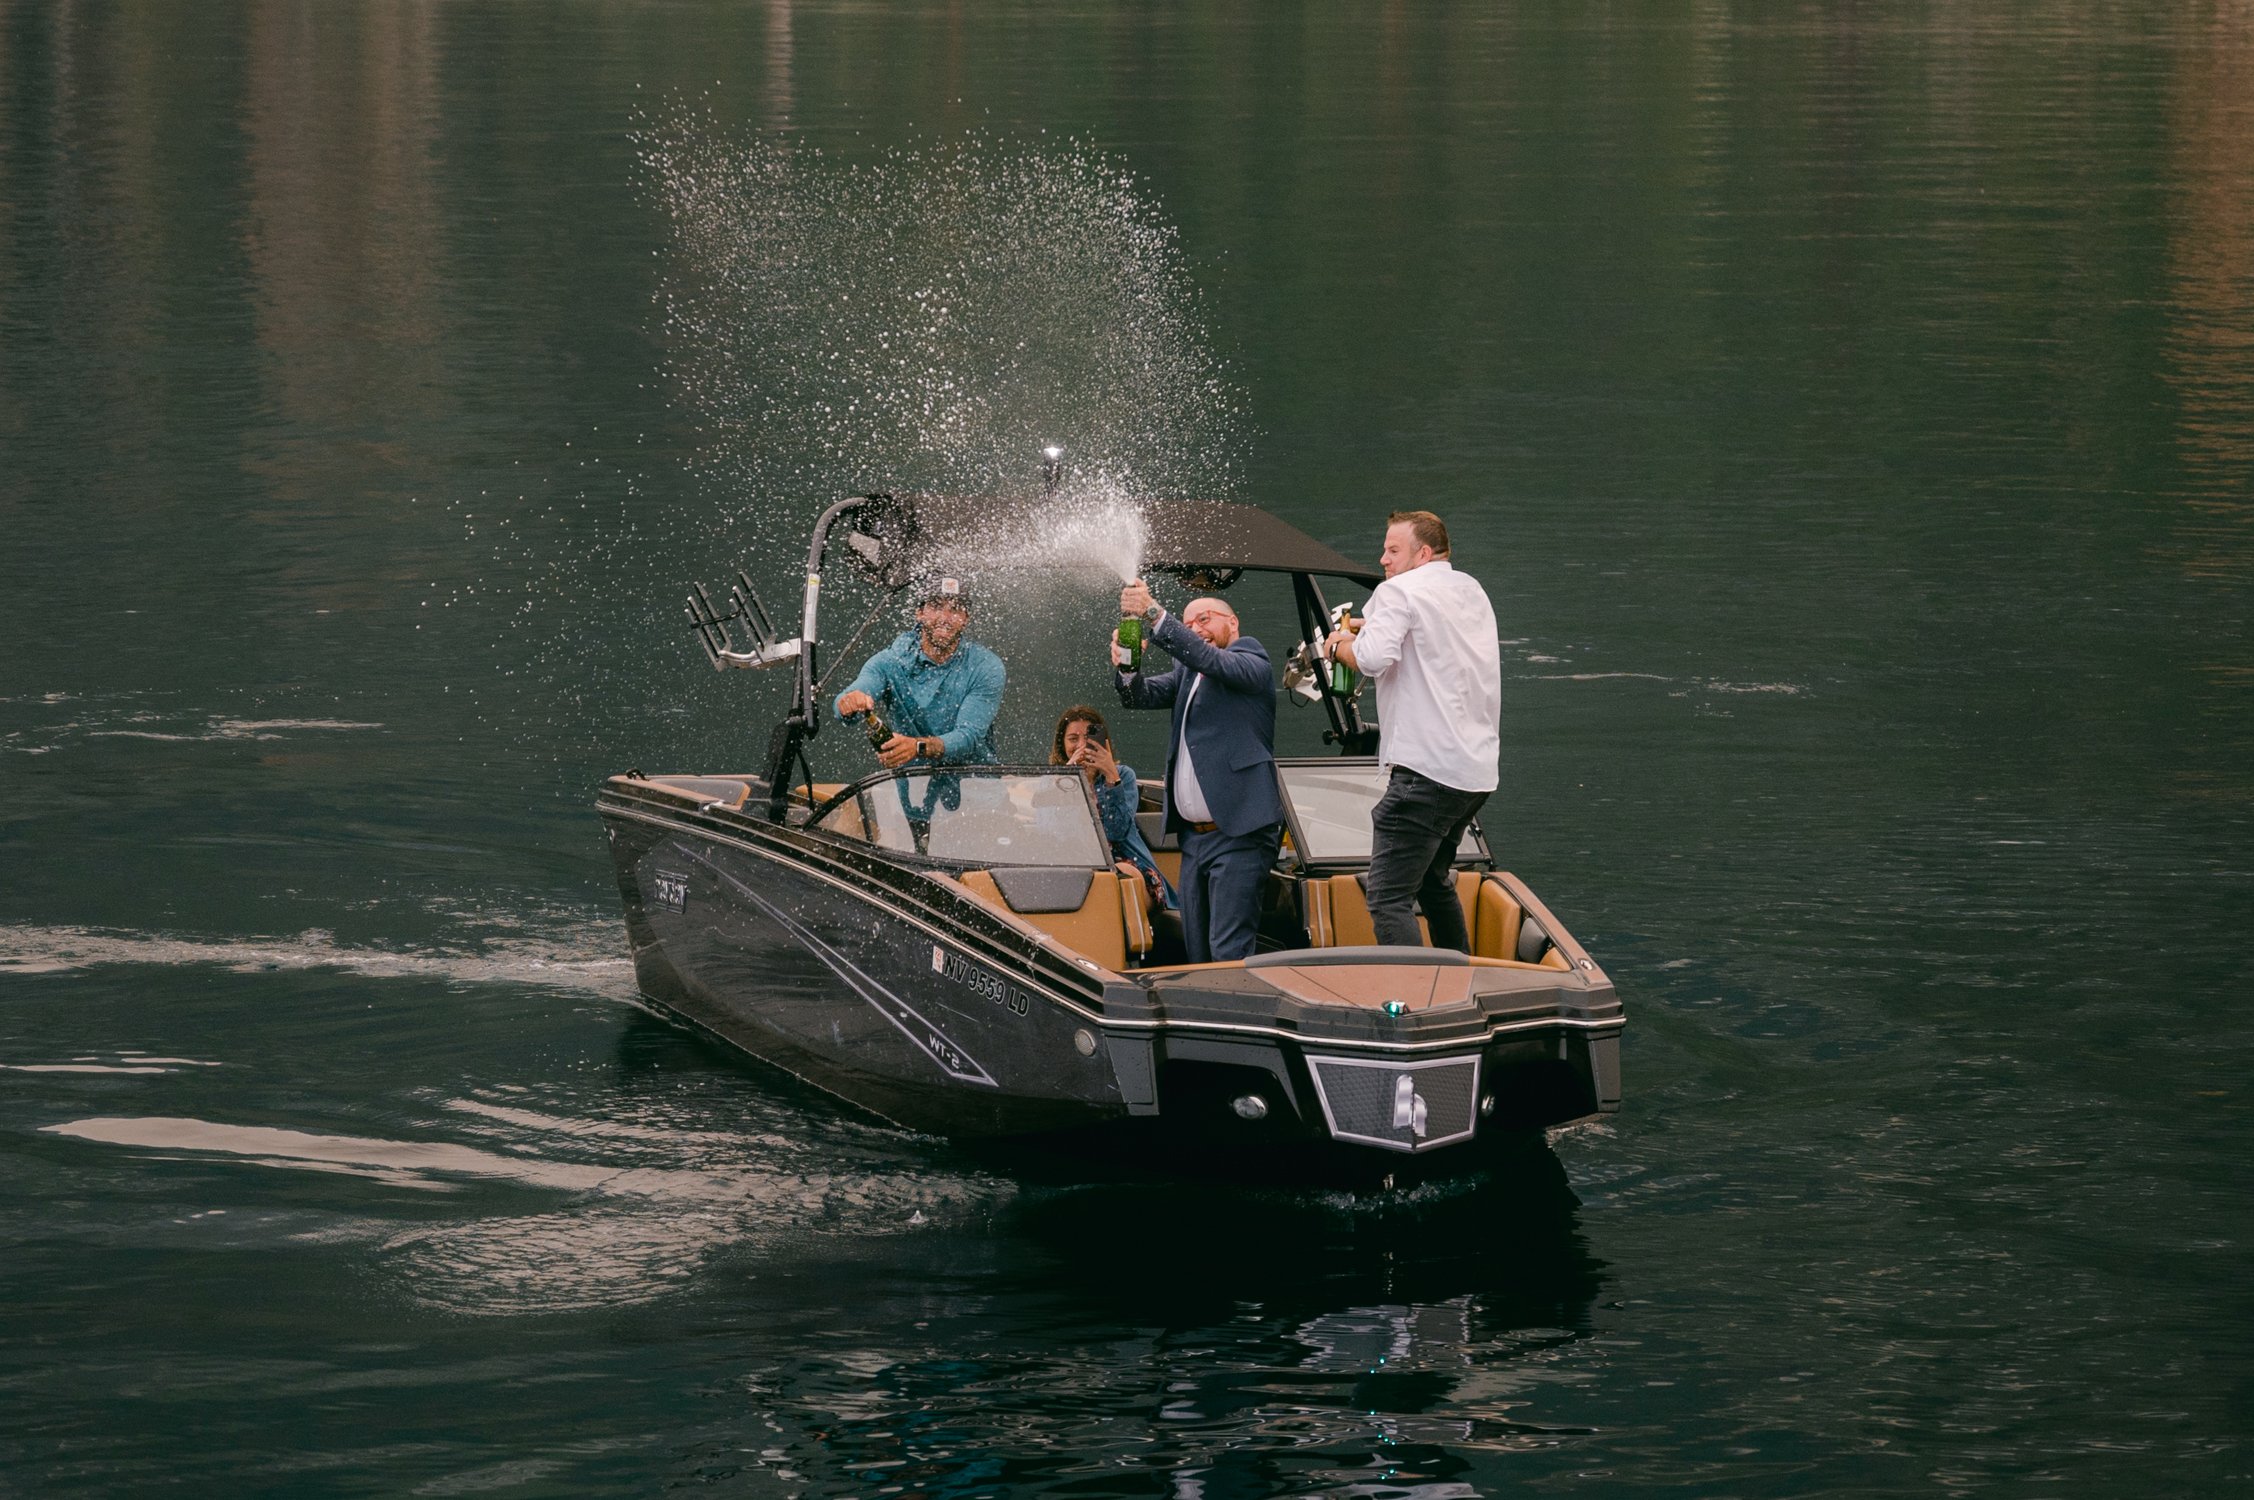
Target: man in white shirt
{"points": [[1428, 644]]}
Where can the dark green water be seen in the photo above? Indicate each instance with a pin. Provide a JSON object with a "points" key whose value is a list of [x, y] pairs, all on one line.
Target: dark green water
{"points": [[1851, 410]]}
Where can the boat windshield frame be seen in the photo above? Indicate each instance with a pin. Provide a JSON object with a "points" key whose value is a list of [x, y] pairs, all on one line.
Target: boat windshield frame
{"points": [[1314, 849], [884, 803]]}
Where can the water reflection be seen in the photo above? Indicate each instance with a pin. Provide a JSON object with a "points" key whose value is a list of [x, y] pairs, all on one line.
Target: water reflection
{"points": [[1143, 1336], [2210, 345], [1198, 1342]]}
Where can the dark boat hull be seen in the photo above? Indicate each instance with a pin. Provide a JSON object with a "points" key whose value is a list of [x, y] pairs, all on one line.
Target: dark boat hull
{"points": [[893, 990], [836, 978]]}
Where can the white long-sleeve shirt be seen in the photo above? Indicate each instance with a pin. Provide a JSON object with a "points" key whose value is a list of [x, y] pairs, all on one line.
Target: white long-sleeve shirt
{"points": [[1189, 794], [1429, 645]]}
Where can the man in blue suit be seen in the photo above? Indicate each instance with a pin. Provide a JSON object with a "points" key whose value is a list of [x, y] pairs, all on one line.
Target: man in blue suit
{"points": [[1221, 796]]}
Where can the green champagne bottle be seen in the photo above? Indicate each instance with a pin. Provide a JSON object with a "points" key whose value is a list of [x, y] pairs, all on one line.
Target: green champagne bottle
{"points": [[874, 726], [1131, 637], [1343, 678]]}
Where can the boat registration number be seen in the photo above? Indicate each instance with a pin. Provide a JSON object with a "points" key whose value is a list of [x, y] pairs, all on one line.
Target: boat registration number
{"points": [[979, 982]]}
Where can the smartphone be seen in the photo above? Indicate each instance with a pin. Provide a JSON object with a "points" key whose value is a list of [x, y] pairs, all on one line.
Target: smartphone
{"points": [[1098, 734]]}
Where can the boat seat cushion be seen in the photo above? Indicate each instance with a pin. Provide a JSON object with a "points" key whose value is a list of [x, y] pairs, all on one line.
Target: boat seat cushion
{"points": [[1097, 929], [1134, 901], [1342, 907], [1032, 889], [1495, 932]]}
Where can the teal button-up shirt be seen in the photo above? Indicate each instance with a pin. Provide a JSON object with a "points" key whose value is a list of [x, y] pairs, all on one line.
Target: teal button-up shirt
{"points": [[956, 699]]}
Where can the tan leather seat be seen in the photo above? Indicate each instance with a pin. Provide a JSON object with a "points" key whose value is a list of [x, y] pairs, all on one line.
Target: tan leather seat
{"points": [[1495, 933], [1343, 910], [1349, 913], [1098, 930], [1134, 902]]}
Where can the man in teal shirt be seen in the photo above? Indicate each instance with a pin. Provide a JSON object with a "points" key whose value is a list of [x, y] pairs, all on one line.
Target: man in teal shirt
{"points": [[939, 692]]}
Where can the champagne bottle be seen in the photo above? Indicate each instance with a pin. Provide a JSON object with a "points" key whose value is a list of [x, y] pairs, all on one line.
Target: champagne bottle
{"points": [[1131, 638], [1343, 678], [874, 726]]}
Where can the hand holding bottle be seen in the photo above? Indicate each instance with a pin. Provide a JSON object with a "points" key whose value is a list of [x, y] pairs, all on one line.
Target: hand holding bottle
{"points": [[898, 751], [1338, 649]]}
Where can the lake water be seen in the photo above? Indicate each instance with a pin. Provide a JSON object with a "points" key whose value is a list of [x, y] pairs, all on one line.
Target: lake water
{"points": [[1850, 410]]}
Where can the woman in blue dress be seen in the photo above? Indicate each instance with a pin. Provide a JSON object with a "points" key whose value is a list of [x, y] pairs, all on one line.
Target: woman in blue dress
{"points": [[1083, 739]]}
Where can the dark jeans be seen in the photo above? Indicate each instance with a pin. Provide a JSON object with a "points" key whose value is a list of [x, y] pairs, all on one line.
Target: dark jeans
{"points": [[1220, 891], [1415, 829]]}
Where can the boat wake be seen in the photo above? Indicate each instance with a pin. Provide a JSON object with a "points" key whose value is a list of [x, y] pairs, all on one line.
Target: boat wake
{"points": [[629, 1211], [584, 962], [50, 722]]}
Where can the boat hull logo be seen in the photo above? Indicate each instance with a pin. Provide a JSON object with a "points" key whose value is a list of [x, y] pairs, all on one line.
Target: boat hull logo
{"points": [[1398, 1105], [669, 890], [1409, 1110]]}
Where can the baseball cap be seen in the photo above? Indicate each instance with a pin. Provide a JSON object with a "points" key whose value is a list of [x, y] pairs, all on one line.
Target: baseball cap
{"points": [[945, 588]]}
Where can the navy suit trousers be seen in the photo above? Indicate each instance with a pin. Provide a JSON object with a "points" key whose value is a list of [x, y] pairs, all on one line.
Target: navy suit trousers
{"points": [[1220, 890]]}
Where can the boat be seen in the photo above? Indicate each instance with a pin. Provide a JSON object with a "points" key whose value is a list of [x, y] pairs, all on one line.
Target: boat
{"points": [[953, 950]]}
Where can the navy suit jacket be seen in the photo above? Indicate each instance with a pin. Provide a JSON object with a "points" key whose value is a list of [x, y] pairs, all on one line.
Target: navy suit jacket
{"points": [[1232, 730]]}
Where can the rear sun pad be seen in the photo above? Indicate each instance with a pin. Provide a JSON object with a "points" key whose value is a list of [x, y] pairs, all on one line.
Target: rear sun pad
{"points": [[1034, 889], [1304, 958]]}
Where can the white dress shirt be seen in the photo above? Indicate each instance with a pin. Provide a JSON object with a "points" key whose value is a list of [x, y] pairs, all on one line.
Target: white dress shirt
{"points": [[1189, 797], [1429, 646]]}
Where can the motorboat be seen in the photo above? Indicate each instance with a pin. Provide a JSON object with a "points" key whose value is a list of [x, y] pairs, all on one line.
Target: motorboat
{"points": [[953, 949]]}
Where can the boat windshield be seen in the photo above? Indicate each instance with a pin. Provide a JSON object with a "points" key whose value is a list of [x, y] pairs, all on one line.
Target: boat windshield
{"points": [[987, 816], [1330, 802]]}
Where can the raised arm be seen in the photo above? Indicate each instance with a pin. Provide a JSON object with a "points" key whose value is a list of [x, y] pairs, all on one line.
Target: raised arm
{"points": [[1117, 803], [1138, 690], [1240, 671]]}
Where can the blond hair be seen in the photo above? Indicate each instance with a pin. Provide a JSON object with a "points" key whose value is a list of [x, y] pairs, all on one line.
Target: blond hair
{"points": [[1427, 528]]}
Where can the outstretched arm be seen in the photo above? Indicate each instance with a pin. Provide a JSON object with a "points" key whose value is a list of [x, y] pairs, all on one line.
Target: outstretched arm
{"points": [[1138, 691], [1238, 671]]}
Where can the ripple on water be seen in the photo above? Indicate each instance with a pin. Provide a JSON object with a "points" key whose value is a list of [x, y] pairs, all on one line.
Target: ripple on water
{"points": [[583, 960], [644, 1206]]}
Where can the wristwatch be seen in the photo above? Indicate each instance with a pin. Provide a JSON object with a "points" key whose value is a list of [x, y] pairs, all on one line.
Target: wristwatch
{"points": [[934, 741], [1154, 614]]}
